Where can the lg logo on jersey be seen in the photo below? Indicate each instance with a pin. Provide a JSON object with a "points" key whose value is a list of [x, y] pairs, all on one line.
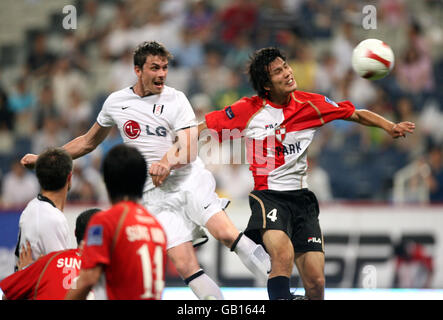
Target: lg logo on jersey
{"points": [[132, 130]]}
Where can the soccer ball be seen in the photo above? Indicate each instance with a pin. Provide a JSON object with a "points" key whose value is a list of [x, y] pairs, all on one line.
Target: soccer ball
{"points": [[372, 59]]}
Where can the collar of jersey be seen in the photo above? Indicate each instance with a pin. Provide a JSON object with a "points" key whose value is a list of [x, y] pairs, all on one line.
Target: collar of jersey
{"points": [[46, 199], [278, 106]]}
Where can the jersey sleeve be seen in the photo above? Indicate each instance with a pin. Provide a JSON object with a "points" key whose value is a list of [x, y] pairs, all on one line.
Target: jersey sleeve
{"points": [[185, 117], [104, 118], [233, 118], [98, 243], [331, 110], [20, 285]]}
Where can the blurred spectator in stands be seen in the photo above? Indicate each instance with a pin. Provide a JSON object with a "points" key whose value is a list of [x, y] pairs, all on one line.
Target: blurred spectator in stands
{"points": [[200, 20], [417, 40], [70, 48], [65, 78], [382, 106], [78, 111], [92, 24], [358, 90], [111, 140], [435, 180], [19, 186], [318, 180], [213, 75], [305, 66], [39, 59], [121, 35], [87, 185], [342, 46], [6, 114], [190, 52], [45, 106], [234, 91], [316, 19], [392, 12], [238, 54], [328, 75], [22, 102], [404, 109], [51, 135], [202, 104], [414, 75], [122, 72], [239, 17], [274, 21], [157, 27]]}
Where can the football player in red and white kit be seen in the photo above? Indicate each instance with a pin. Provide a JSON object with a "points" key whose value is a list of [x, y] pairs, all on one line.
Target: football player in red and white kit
{"points": [[125, 246], [151, 117], [52, 275], [279, 125]]}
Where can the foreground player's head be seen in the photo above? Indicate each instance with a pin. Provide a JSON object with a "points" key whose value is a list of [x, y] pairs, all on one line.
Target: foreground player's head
{"points": [[82, 222], [151, 66], [54, 169], [124, 171], [269, 73]]}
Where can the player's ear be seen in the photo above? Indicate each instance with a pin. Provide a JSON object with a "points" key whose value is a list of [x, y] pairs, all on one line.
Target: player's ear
{"points": [[68, 180], [138, 71]]}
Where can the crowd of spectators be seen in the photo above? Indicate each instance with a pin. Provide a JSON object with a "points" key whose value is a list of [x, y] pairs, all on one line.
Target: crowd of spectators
{"points": [[66, 75]]}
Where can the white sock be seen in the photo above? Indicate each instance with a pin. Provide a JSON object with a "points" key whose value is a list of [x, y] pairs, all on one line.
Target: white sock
{"points": [[253, 256], [204, 287]]}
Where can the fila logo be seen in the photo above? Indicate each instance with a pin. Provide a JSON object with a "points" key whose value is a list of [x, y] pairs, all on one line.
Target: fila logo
{"points": [[314, 239]]}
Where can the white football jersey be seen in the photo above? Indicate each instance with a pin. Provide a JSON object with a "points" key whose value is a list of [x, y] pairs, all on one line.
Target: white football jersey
{"points": [[150, 124], [44, 226]]}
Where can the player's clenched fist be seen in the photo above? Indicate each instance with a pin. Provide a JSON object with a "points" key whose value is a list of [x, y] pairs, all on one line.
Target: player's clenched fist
{"points": [[29, 160], [159, 172]]}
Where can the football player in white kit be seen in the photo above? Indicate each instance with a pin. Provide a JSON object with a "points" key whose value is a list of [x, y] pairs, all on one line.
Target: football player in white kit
{"points": [[152, 117]]}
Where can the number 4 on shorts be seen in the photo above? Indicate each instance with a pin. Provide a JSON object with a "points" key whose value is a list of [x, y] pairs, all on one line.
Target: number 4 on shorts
{"points": [[272, 215]]}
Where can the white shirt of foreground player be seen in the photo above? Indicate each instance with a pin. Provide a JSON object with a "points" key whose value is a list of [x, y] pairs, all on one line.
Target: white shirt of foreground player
{"points": [[45, 227], [150, 124]]}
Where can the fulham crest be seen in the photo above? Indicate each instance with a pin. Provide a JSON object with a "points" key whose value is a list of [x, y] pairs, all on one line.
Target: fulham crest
{"points": [[280, 133], [158, 109]]}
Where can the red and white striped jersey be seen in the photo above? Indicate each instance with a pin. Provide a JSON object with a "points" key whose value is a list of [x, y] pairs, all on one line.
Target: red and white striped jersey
{"points": [[277, 136]]}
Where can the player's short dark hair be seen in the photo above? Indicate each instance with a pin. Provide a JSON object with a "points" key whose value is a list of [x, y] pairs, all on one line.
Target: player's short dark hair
{"points": [[82, 222], [150, 48], [258, 68], [125, 172], [53, 168]]}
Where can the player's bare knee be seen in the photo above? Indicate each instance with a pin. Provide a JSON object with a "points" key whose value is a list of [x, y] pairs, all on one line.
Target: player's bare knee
{"points": [[315, 287]]}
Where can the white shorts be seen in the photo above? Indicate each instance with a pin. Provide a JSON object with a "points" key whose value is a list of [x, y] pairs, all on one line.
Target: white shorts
{"points": [[183, 213]]}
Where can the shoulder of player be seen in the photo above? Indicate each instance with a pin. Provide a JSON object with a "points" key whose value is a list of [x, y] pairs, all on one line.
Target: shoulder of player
{"points": [[37, 210], [302, 96]]}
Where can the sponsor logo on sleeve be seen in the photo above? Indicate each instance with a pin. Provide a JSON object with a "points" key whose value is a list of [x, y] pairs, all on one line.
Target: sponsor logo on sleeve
{"points": [[229, 112], [95, 235], [331, 102]]}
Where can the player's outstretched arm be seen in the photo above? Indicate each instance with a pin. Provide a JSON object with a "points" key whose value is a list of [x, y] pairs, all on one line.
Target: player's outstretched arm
{"points": [[369, 118], [77, 147], [88, 142], [87, 279]]}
